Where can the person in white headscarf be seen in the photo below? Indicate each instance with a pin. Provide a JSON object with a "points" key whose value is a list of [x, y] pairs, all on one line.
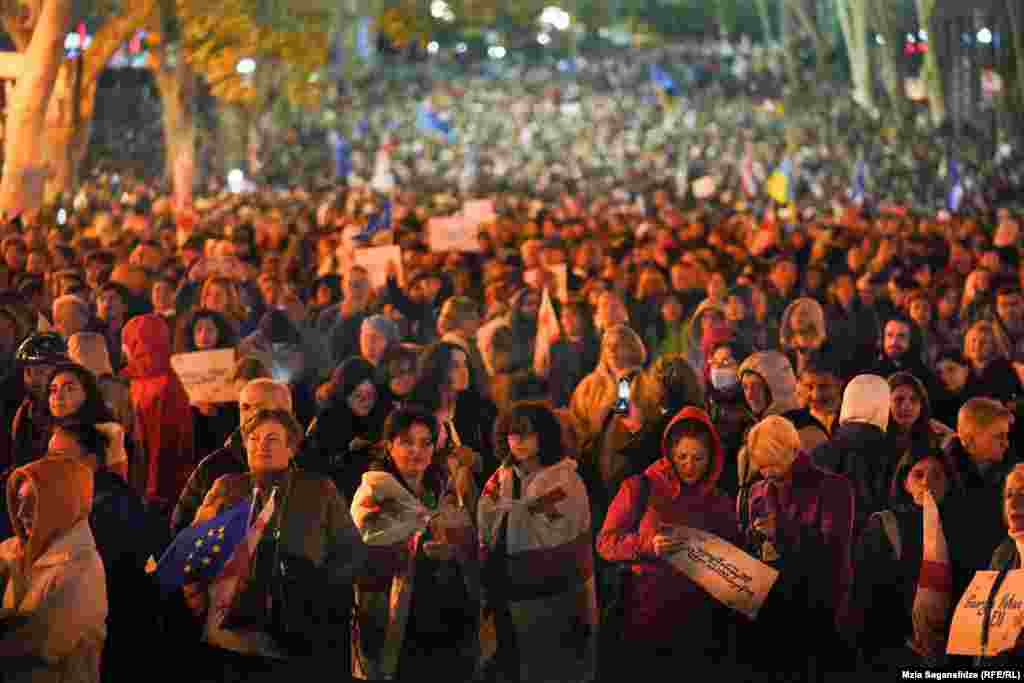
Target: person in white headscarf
{"points": [[858, 449]]}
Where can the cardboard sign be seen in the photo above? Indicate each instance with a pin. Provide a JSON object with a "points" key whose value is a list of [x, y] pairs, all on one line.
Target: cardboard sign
{"points": [[1005, 621], [376, 261], [731, 576], [479, 211], [452, 233], [206, 375]]}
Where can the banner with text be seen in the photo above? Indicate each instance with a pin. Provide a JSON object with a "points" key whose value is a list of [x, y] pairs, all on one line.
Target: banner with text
{"points": [[207, 375], [1005, 620], [734, 578], [376, 261]]}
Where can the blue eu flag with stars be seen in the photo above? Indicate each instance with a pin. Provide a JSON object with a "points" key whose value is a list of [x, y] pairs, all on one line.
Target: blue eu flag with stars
{"points": [[200, 552]]}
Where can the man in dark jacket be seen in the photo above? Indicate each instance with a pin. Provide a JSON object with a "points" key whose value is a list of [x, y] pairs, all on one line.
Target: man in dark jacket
{"points": [[975, 510], [857, 447], [259, 394]]}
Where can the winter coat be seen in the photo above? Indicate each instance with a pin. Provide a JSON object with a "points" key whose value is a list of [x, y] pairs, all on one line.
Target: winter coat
{"points": [[410, 608], [858, 448], [535, 540], [163, 416], [660, 601], [54, 578], [998, 381], [30, 431], [976, 525], [814, 521], [311, 523], [229, 459]]}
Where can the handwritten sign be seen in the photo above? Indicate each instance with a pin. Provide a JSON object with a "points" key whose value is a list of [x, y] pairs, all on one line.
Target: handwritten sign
{"points": [[1005, 621], [376, 261], [479, 211], [206, 375], [730, 575], [452, 233]]}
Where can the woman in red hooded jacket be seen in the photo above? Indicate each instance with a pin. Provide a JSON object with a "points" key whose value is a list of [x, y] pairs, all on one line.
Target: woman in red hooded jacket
{"points": [[163, 419], [661, 603]]}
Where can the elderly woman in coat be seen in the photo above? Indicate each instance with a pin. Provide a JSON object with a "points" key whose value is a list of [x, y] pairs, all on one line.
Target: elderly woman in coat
{"points": [[54, 610], [800, 519], [312, 535], [680, 489], [418, 604], [534, 520]]}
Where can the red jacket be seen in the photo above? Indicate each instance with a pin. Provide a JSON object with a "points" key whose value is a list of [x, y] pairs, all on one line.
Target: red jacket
{"points": [[163, 419], [659, 599]]}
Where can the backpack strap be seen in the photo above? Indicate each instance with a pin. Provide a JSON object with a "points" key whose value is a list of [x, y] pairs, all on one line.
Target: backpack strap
{"points": [[892, 531]]}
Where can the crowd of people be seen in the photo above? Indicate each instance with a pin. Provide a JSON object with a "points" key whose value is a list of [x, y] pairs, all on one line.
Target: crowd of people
{"points": [[482, 463]]}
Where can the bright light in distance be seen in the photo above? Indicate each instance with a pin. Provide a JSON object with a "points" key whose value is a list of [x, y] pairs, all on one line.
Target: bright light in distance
{"points": [[433, 47], [911, 38], [557, 17], [438, 8], [923, 34], [73, 41], [496, 52], [461, 48], [985, 36], [543, 38], [236, 180], [880, 39], [246, 66]]}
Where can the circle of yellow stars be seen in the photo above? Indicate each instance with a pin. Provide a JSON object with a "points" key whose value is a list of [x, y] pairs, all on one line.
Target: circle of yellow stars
{"points": [[213, 539]]}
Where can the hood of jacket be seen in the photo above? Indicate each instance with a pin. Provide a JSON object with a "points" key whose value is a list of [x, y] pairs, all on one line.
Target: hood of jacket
{"points": [[775, 369], [808, 317], [866, 400], [694, 325], [148, 340], [89, 349], [692, 414], [64, 490]]}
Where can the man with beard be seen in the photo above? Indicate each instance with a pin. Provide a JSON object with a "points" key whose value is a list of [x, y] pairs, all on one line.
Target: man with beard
{"points": [[1010, 315]]}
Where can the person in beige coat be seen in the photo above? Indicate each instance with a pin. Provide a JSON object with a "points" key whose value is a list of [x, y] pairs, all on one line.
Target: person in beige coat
{"points": [[54, 610]]}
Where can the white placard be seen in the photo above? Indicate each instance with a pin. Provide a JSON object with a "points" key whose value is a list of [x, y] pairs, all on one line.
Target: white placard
{"points": [[206, 375], [479, 211], [734, 578], [376, 261], [1005, 621], [452, 233]]}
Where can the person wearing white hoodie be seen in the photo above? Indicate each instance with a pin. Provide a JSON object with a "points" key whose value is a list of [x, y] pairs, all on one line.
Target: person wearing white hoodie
{"points": [[858, 449]]}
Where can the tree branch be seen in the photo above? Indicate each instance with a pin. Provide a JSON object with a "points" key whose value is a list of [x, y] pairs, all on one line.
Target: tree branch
{"points": [[112, 35]]}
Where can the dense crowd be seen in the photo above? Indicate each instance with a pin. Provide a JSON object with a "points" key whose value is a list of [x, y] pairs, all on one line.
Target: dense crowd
{"points": [[486, 464]]}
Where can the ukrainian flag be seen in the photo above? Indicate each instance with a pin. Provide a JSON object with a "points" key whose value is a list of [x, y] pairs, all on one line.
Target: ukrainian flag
{"points": [[780, 183]]}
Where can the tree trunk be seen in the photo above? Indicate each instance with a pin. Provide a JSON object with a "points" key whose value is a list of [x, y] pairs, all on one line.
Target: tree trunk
{"points": [[176, 84], [40, 37], [766, 21], [1016, 19], [853, 20], [68, 127], [931, 74], [889, 53]]}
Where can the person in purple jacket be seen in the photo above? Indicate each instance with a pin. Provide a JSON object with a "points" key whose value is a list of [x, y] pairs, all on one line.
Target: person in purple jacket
{"points": [[798, 519]]}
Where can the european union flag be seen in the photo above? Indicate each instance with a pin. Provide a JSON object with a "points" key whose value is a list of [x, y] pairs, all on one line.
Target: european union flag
{"points": [[858, 191], [378, 222], [664, 82], [342, 155], [427, 120], [200, 552], [956, 187]]}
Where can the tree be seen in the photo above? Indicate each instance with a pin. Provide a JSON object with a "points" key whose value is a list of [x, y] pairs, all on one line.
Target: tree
{"points": [[853, 18], [40, 28], [70, 105]]}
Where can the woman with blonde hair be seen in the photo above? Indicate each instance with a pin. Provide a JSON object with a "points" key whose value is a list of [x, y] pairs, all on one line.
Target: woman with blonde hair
{"points": [[221, 294]]}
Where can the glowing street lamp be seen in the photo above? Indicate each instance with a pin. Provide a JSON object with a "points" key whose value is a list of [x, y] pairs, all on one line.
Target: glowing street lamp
{"points": [[246, 66]]}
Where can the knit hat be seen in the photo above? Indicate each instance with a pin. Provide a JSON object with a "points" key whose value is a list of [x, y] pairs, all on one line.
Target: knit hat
{"points": [[384, 326], [773, 440]]}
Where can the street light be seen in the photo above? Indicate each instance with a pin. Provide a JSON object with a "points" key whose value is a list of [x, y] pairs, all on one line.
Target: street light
{"points": [[433, 47], [556, 17], [246, 66], [543, 38], [985, 36], [496, 52]]}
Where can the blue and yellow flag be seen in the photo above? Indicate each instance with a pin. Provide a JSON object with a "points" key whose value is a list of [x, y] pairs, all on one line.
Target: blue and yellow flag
{"points": [[200, 552], [428, 121], [780, 183]]}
